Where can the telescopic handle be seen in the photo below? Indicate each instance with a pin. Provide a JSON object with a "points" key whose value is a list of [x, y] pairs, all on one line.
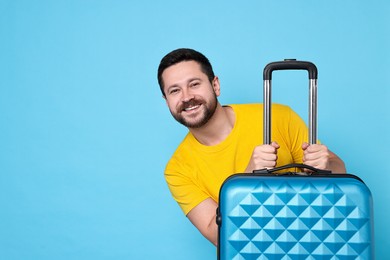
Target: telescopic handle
{"points": [[291, 64]]}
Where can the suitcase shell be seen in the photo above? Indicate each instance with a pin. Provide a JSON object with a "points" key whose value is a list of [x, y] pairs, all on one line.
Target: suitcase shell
{"points": [[295, 217]]}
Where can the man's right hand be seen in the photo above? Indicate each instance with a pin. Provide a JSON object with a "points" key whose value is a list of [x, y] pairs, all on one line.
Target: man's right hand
{"points": [[263, 156]]}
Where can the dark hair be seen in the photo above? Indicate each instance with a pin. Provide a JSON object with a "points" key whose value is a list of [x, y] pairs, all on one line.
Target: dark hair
{"points": [[180, 55]]}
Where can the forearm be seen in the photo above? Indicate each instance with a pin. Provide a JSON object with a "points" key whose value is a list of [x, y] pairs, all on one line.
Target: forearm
{"points": [[203, 216], [336, 165], [211, 233]]}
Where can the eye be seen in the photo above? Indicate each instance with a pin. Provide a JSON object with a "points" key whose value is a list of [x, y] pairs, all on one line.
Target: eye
{"points": [[195, 84], [173, 91]]}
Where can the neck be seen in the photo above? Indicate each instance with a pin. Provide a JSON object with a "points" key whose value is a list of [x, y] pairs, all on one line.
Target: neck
{"points": [[217, 128]]}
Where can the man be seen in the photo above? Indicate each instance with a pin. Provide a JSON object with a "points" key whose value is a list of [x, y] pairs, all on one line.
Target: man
{"points": [[223, 140]]}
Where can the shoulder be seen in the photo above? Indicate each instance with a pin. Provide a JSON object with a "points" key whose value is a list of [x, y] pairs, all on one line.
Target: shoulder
{"points": [[258, 106], [181, 156], [282, 112], [245, 112], [280, 108], [249, 110], [247, 107]]}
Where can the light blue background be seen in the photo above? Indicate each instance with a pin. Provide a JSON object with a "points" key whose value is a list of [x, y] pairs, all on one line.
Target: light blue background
{"points": [[85, 134]]}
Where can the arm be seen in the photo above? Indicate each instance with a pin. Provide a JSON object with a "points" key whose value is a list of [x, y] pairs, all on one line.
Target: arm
{"points": [[203, 217], [319, 156]]}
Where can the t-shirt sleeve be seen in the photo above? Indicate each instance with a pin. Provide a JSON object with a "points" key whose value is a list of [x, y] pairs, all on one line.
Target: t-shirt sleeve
{"points": [[181, 183]]}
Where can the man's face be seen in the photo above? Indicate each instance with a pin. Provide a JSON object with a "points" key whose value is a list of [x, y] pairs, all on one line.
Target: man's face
{"points": [[190, 96]]}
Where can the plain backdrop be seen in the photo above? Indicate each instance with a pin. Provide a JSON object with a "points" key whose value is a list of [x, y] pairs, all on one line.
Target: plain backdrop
{"points": [[85, 134]]}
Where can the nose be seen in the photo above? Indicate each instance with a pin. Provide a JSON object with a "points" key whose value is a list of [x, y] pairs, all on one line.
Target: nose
{"points": [[187, 95]]}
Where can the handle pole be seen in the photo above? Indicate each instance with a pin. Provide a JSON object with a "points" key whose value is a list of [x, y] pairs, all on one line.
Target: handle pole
{"points": [[313, 111], [267, 112]]}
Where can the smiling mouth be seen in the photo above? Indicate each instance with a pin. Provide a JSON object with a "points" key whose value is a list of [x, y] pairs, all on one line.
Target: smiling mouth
{"points": [[191, 108]]}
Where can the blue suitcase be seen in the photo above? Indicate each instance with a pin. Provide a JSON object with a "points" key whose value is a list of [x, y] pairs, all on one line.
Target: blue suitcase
{"points": [[292, 215]]}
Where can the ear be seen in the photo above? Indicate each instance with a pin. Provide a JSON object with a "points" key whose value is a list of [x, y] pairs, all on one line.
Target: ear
{"points": [[165, 98], [216, 86]]}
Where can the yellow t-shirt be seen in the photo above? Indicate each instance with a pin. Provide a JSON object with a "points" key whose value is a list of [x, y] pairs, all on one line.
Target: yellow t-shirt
{"points": [[196, 172]]}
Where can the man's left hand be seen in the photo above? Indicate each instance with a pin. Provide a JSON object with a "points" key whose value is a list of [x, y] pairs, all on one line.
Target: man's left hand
{"points": [[316, 155]]}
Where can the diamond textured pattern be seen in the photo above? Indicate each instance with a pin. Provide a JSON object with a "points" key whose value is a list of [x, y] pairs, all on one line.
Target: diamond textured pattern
{"points": [[281, 217]]}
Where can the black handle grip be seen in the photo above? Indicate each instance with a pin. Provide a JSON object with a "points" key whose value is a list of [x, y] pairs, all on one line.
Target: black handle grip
{"points": [[292, 165], [290, 64]]}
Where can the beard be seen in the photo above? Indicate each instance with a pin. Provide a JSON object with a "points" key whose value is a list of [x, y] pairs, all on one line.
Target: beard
{"points": [[208, 110]]}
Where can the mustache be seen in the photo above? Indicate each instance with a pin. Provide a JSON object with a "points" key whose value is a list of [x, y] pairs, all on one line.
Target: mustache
{"points": [[190, 103]]}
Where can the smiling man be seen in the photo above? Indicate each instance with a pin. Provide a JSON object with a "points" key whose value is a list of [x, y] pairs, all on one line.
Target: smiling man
{"points": [[224, 140]]}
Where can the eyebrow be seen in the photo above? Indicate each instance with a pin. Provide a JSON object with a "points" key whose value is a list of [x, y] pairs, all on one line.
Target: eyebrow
{"points": [[188, 81]]}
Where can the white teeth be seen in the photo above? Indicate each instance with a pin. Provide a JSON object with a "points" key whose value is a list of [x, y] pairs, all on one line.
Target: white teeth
{"points": [[191, 108]]}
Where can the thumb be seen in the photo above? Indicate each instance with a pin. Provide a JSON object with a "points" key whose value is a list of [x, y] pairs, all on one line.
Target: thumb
{"points": [[275, 145], [305, 146]]}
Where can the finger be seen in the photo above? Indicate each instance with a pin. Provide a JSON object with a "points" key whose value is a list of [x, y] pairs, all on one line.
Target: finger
{"points": [[266, 164], [305, 146], [261, 156], [320, 163], [314, 156], [322, 166], [266, 148], [317, 148], [316, 153]]}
